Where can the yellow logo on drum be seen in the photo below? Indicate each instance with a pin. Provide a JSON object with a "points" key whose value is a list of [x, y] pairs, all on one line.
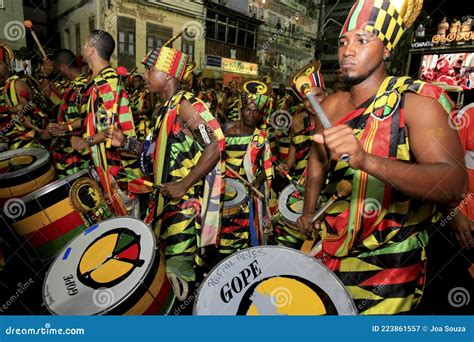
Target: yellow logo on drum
{"points": [[285, 295], [258, 140], [85, 195]]}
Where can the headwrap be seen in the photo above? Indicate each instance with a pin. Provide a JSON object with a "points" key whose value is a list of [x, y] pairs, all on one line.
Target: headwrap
{"points": [[6, 54], [168, 60], [311, 71], [387, 19], [255, 94]]}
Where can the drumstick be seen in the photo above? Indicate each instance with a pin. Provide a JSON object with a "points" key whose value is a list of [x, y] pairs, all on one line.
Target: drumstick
{"points": [[29, 25], [304, 85], [343, 189], [139, 180], [292, 181], [121, 72], [246, 182]]}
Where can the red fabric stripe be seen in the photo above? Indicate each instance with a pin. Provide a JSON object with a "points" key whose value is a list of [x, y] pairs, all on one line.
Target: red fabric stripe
{"points": [[55, 229], [394, 276], [364, 14]]}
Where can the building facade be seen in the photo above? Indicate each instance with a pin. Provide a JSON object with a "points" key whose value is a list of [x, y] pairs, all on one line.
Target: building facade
{"points": [[287, 38], [137, 26]]}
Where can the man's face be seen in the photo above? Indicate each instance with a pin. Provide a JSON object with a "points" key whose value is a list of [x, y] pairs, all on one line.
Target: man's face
{"points": [[87, 50], [250, 116], [155, 80], [360, 54], [138, 83], [4, 70]]}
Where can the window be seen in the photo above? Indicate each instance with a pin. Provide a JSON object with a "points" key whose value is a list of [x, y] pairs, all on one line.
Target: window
{"points": [[228, 30], [157, 35], [91, 24], [67, 37], [126, 42], [187, 46], [78, 38]]}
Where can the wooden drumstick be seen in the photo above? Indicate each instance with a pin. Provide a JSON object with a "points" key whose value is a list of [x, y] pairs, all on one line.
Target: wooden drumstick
{"points": [[343, 189], [292, 181], [29, 25], [246, 182]]}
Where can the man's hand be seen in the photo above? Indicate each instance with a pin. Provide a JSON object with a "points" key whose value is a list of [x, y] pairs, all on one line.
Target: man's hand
{"points": [[57, 129], [304, 224], [78, 143], [174, 190], [116, 135], [48, 67], [463, 228], [341, 140], [285, 168]]}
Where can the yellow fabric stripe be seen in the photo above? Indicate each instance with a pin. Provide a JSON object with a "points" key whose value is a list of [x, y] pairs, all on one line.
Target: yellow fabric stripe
{"points": [[391, 306], [43, 218], [357, 265], [357, 292]]}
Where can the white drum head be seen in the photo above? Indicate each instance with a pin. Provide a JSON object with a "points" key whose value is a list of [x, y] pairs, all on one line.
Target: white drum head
{"points": [[100, 268], [270, 280]]}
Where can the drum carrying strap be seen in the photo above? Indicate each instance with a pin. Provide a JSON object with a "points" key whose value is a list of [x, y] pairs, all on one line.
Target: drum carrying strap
{"points": [[180, 286]]}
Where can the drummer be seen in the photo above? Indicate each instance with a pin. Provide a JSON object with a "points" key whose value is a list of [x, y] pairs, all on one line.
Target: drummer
{"points": [[21, 120], [188, 165], [68, 122], [301, 131], [248, 158], [404, 163], [113, 167]]}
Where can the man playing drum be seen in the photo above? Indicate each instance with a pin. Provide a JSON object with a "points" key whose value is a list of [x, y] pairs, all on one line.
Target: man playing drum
{"points": [[100, 96], [301, 130], [405, 164], [247, 158], [21, 120], [188, 165], [68, 122]]}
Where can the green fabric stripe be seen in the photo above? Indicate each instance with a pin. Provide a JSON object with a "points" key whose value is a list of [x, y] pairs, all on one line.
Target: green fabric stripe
{"points": [[353, 21]]}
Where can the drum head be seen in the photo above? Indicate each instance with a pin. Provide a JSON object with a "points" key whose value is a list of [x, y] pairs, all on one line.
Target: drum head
{"points": [[21, 161], [100, 268], [272, 280], [290, 204], [234, 193]]}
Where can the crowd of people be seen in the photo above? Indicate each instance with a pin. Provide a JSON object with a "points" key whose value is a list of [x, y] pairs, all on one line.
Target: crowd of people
{"points": [[221, 156]]}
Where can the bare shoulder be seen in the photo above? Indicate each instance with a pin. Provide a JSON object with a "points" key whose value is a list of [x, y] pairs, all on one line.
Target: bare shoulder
{"points": [[332, 103], [419, 107]]}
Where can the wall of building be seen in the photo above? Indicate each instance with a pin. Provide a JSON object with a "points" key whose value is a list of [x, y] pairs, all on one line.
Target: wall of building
{"points": [[11, 17]]}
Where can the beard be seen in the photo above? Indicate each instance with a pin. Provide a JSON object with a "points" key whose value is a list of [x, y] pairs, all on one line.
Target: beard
{"points": [[355, 80]]}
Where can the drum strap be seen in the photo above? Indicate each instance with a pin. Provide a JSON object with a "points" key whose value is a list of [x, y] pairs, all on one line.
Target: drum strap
{"points": [[175, 283]]}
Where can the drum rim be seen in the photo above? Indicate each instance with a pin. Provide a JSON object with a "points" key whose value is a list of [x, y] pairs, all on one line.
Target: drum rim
{"points": [[198, 295], [54, 185], [118, 302], [241, 186], [42, 157], [283, 205]]}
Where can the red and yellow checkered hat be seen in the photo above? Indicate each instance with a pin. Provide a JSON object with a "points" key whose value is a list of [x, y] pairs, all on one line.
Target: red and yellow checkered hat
{"points": [[166, 59], [387, 19]]}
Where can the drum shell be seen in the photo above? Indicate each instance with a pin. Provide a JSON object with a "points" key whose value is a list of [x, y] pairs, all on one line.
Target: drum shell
{"points": [[147, 292], [287, 215], [50, 221], [229, 209], [18, 184]]}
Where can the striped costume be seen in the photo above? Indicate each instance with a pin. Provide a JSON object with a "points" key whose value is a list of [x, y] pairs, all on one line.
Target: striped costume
{"points": [[235, 233], [375, 242], [12, 131], [141, 119], [192, 222], [302, 141], [111, 164], [232, 110], [67, 161]]}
